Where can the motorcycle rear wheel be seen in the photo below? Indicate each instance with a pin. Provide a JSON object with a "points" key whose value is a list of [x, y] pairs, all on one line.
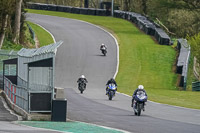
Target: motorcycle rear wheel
{"points": [[139, 109]]}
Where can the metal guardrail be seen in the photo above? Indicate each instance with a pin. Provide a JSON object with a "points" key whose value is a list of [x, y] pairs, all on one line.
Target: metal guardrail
{"points": [[196, 86], [31, 31], [183, 61]]}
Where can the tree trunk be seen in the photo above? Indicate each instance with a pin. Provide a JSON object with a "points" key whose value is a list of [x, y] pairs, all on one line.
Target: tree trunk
{"points": [[17, 21], [3, 29]]}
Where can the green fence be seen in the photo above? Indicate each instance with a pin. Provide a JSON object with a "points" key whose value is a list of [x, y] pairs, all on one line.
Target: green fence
{"points": [[196, 86]]}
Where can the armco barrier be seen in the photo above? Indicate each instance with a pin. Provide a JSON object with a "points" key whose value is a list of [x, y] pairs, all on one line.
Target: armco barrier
{"points": [[31, 31], [183, 61]]}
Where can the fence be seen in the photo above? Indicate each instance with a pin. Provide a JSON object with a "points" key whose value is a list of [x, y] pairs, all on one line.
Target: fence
{"points": [[196, 86], [18, 95], [6, 54]]}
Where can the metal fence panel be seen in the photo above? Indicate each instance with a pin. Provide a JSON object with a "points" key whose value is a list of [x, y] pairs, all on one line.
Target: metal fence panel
{"points": [[40, 78], [18, 95], [6, 54], [196, 86]]}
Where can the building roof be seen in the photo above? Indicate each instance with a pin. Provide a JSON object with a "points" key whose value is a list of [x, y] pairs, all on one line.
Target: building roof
{"points": [[52, 48]]}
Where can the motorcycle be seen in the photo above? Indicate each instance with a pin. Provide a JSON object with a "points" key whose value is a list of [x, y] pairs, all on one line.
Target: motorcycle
{"points": [[139, 102], [104, 51], [81, 86], [111, 89]]}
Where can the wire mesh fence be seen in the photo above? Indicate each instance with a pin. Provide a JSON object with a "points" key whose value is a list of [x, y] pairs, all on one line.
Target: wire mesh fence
{"points": [[9, 69]]}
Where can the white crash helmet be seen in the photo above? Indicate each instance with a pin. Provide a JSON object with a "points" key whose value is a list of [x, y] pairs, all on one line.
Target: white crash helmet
{"points": [[102, 44], [141, 87], [82, 76]]}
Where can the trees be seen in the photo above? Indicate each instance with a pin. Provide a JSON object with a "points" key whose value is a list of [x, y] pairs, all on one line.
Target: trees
{"points": [[11, 20], [6, 11], [17, 21], [3, 29], [179, 16]]}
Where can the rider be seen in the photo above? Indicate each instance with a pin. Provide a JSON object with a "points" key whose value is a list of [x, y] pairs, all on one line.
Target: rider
{"points": [[103, 46], [140, 88], [82, 78], [110, 81]]}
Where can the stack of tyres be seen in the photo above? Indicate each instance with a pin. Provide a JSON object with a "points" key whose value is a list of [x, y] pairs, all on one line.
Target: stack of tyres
{"points": [[68, 9], [117, 13], [43, 7], [52, 7], [84, 11], [91, 11], [161, 37], [61, 8], [134, 17], [150, 29], [36, 6], [75, 10], [100, 12]]}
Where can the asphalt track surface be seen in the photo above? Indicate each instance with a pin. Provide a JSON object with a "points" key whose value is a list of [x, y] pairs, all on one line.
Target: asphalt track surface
{"points": [[80, 54]]}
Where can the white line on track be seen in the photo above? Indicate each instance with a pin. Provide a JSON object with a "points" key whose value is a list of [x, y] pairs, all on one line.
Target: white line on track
{"points": [[54, 40]]}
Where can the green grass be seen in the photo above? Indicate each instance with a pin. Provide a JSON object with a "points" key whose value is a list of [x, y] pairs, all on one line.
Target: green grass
{"points": [[43, 36], [28, 37], [8, 45], [142, 61]]}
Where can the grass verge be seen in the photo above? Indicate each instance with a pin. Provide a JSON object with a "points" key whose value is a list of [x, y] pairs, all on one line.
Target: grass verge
{"points": [[142, 61], [42, 35]]}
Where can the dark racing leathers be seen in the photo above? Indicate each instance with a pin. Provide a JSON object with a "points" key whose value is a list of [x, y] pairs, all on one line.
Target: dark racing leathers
{"points": [[135, 92], [84, 80], [101, 48], [111, 81]]}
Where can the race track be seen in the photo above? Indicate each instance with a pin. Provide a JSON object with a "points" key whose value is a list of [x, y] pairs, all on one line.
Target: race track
{"points": [[80, 54]]}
